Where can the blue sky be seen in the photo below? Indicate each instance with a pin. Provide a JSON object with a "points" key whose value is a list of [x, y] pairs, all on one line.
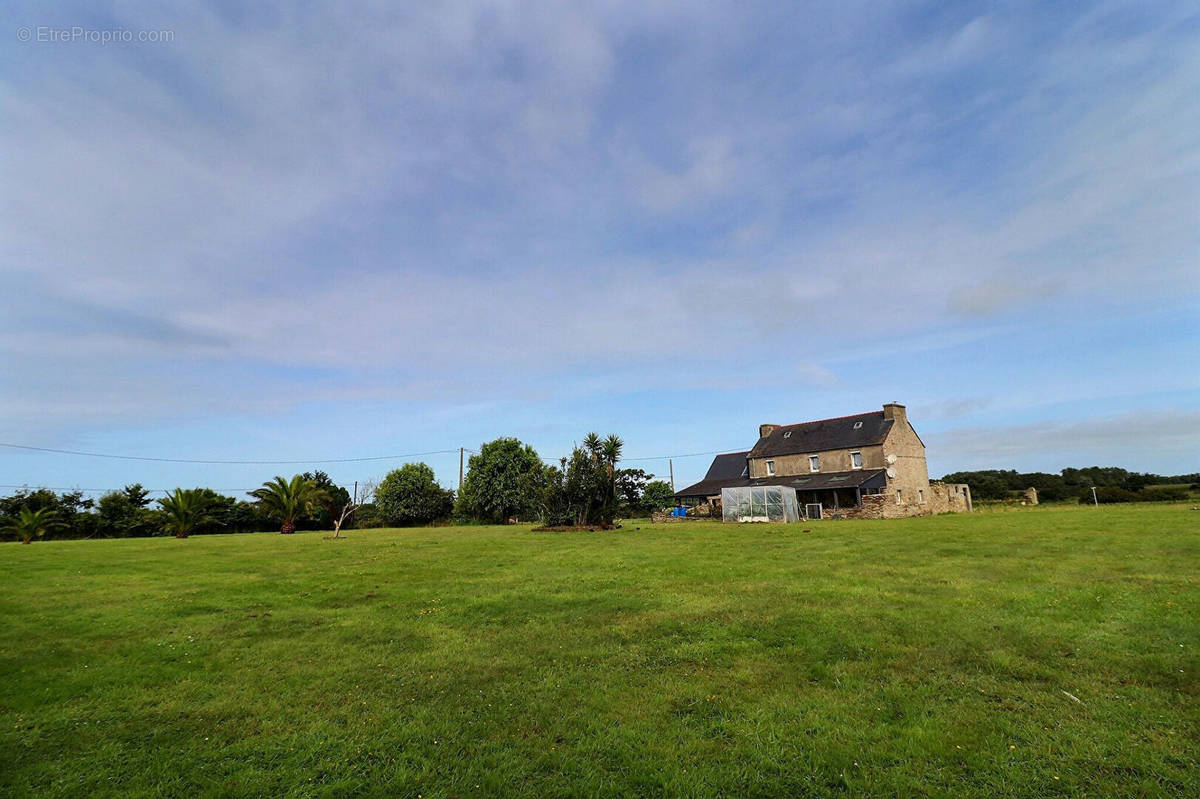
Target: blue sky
{"points": [[349, 232]]}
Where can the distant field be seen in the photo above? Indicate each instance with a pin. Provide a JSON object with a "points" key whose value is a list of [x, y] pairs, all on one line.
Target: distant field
{"points": [[1041, 652]]}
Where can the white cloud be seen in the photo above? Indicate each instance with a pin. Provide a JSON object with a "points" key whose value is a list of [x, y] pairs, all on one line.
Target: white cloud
{"points": [[398, 196]]}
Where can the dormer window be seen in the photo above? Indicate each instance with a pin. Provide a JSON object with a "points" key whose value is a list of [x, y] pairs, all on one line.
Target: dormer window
{"points": [[814, 463], [788, 434], [770, 468], [857, 425]]}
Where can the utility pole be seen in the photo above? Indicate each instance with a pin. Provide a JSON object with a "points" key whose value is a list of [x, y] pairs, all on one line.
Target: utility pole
{"points": [[671, 465], [354, 498], [1095, 501], [460, 465]]}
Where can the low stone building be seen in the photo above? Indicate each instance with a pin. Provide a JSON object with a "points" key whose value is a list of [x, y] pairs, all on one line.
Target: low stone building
{"points": [[870, 465]]}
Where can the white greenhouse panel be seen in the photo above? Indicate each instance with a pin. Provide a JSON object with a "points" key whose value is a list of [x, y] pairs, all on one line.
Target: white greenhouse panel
{"points": [[759, 504]]}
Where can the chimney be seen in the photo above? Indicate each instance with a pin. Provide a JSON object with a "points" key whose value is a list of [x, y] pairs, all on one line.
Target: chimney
{"points": [[894, 410], [765, 430]]}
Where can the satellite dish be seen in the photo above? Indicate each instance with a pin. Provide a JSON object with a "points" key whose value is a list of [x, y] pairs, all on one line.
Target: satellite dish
{"points": [[891, 458], [891, 472]]}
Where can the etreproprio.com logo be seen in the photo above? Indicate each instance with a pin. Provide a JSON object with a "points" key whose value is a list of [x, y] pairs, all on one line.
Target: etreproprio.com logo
{"points": [[77, 34]]}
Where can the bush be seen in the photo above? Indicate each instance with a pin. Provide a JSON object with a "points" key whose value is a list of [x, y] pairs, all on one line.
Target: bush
{"points": [[1107, 495], [1110, 494], [1165, 494], [410, 495]]}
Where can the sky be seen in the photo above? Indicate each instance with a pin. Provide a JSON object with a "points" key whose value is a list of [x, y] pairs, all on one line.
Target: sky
{"points": [[267, 233]]}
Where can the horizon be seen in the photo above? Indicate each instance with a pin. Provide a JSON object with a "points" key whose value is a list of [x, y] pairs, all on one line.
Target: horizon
{"points": [[289, 234]]}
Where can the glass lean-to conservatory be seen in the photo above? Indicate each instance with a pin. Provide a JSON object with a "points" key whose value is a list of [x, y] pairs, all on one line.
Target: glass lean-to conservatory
{"points": [[759, 504]]}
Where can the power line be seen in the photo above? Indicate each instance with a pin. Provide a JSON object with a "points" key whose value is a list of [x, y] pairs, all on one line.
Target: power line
{"points": [[227, 462], [687, 455], [248, 462]]}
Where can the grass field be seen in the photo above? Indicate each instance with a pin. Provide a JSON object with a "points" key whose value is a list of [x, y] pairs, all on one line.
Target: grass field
{"points": [[1045, 652]]}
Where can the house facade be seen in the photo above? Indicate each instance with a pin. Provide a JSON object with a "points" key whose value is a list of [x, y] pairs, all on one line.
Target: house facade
{"points": [[870, 465]]}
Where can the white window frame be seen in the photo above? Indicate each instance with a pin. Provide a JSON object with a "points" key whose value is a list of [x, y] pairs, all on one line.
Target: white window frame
{"points": [[814, 463], [921, 495], [770, 468], [854, 465], [899, 494]]}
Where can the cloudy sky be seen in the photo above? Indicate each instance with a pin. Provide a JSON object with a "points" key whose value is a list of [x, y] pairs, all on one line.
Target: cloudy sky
{"points": [[343, 232]]}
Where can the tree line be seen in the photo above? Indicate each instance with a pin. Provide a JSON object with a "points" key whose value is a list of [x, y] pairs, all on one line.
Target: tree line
{"points": [[1112, 483], [507, 481]]}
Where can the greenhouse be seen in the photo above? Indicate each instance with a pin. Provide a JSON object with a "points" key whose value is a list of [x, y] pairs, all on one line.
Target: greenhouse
{"points": [[759, 504]]}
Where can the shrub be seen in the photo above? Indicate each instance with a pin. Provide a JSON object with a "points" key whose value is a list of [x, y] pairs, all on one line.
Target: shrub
{"points": [[410, 495], [1165, 494]]}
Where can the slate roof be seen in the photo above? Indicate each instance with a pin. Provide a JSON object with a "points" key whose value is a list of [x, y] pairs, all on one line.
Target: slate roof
{"points": [[826, 434], [731, 464], [821, 481], [726, 470]]}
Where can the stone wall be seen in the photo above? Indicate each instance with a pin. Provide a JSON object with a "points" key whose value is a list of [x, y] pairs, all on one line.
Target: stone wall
{"points": [[912, 475], [949, 497], [939, 498], [832, 460]]}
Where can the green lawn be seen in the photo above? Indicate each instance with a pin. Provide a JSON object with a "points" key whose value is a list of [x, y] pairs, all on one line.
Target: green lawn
{"points": [[1050, 651]]}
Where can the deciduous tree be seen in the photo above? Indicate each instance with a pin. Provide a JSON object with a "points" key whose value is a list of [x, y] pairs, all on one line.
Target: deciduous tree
{"points": [[411, 495], [504, 481]]}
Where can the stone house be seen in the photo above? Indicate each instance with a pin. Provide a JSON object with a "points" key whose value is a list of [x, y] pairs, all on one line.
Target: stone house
{"points": [[870, 465]]}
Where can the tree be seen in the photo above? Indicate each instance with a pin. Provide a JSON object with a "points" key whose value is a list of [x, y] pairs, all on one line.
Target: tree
{"points": [[503, 482], [631, 483], [184, 510], [69, 510], [605, 455], [362, 497], [124, 513], [330, 506], [583, 489], [410, 495], [657, 496], [287, 500], [31, 524]]}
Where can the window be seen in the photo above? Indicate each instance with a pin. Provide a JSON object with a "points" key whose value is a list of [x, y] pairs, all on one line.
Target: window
{"points": [[770, 468], [857, 425], [788, 434], [921, 495], [814, 463], [899, 494], [856, 460]]}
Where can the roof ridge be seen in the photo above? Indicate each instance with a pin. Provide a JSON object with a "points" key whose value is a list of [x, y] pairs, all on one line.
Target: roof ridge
{"points": [[830, 419]]}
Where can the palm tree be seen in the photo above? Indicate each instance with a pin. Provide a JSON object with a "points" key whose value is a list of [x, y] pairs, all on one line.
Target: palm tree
{"points": [[611, 453], [287, 500], [185, 510], [604, 454], [31, 524], [593, 444]]}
